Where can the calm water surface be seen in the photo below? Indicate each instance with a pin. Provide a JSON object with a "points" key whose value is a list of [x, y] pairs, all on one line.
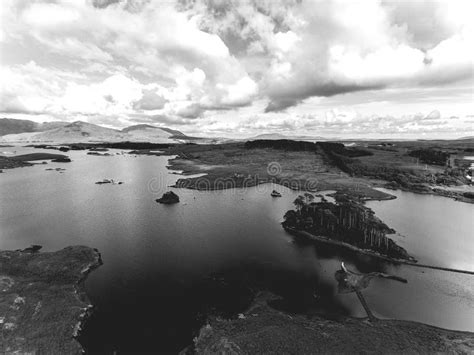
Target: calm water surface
{"points": [[158, 258]]}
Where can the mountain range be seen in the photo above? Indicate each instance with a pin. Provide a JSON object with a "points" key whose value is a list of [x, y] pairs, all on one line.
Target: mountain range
{"points": [[13, 126], [25, 131]]}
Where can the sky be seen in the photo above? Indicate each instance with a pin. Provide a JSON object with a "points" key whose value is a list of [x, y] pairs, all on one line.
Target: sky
{"points": [[368, 68]]}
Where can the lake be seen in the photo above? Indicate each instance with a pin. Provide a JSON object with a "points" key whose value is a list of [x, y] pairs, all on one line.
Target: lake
{"points": [[159, 278]]}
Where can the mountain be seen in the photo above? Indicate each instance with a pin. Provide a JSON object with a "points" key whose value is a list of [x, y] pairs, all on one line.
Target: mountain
{"points": [[75, 132], [81, 132], [148, 133], [13, 126], [9, 126], [140, 127]]}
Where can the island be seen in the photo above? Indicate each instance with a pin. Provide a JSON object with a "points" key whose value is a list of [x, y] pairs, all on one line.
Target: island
{"points": [[275, 194], [8, 163], [41, 156], [345, 223], [108, 181], [168, 198], [42, 300], [24, 160], [61, 160]]}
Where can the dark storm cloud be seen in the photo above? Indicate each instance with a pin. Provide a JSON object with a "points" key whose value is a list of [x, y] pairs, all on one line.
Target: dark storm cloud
{"points": [[283, 99], [101, 4]]}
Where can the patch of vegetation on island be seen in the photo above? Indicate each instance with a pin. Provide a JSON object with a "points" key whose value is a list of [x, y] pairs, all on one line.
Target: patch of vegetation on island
{"points": [[290, 145], [42, 299], [345, 221]]}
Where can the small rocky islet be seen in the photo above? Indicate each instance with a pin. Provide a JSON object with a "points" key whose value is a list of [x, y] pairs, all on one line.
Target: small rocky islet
{"points": [[168, 198], [108, 181], [275, 193]]}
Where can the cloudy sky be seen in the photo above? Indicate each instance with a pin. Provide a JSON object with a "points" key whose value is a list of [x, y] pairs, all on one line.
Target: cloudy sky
{"points": [[368, 68]]}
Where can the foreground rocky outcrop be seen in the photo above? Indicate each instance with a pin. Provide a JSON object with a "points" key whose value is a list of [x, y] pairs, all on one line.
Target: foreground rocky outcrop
{"points": [[265, 330], [42, 299]]}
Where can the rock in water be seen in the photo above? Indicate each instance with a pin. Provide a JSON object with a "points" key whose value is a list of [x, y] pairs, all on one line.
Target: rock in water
{"points": [[168, 198], [275, 194]]}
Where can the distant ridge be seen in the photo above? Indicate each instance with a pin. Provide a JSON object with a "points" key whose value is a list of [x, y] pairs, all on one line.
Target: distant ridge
{"points": [[270, 136], [277, 136], [79, 132], [13, 126]]}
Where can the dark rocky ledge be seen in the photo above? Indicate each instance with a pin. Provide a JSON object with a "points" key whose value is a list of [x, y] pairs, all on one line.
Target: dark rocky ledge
{"points": [[42, 299], [168, 198], [265, 330]]}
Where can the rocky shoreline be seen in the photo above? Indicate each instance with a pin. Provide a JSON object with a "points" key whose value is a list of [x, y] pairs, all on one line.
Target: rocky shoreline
{"points": [[43, 304], [263, 329]]}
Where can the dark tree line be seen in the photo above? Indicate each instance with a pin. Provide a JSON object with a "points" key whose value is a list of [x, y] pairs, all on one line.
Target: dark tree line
{"points": [[291, 145], [348, 222], [430, 156]]}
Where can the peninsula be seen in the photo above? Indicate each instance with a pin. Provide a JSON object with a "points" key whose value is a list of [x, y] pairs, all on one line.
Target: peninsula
{"points": [[42, 299], [263, 329]]}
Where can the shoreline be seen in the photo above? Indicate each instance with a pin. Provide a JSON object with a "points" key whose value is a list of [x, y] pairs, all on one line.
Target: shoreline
{"points": [[435, 191], [82, 295]]}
